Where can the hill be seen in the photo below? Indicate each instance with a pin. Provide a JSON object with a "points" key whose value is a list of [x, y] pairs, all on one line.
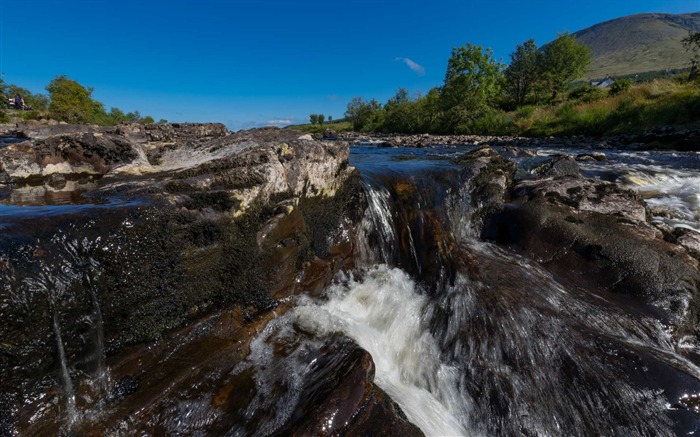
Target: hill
{"points": [[638, 43]]}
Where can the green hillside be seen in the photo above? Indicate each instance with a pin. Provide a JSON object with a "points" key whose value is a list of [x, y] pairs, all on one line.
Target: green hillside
{"points": [[638, 43]]}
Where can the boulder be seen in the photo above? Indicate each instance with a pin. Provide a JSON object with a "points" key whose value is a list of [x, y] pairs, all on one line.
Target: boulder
{"points": [[596, 233]]}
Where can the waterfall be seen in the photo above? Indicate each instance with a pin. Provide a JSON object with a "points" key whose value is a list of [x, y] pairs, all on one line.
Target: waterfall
{"points": [[385, 314], [501, 348]]}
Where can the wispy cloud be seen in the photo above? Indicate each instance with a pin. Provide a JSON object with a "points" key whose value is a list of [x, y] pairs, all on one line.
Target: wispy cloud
{"points": [[280, 121], [417, 68]]}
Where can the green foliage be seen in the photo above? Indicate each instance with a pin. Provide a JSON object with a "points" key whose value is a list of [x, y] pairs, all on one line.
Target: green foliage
{"points": [[691, 44], [317, 119], [3, 89], [472, 79], [401, 113], [39, 102], [620, 86], [365, 116], [563, 61], [147, 120], [522, 76], [73, 103], [587, 93]]}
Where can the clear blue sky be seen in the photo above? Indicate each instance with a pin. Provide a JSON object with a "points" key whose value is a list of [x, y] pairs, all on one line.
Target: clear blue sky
{"points": [[248, 63]]}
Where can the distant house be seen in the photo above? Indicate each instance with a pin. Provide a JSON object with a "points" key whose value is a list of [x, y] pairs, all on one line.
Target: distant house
{"points": [[604, 83]]}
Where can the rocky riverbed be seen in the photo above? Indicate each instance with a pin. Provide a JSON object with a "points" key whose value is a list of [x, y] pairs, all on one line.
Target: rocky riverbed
{"points": [[174, 279], [659, 139]]}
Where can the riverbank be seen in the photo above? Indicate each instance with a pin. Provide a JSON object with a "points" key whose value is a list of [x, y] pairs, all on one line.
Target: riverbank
{"points": [[659, 139]]}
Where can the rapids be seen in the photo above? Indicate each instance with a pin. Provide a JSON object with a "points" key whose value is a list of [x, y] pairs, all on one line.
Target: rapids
{"points": [[466, 336], [473, 339]]}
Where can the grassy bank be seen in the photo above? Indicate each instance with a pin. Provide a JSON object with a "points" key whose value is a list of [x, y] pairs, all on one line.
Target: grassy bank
{"points": [[657, 104]]}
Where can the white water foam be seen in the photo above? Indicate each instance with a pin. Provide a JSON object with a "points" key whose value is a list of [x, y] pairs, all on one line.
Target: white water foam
{"points": [[385, 314], [664, 189]]}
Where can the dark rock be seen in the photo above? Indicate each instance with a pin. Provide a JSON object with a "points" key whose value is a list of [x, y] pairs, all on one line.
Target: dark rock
{"points": [[559, 166], [193, 245], [595, 232], [490, 176], [593, 156]]}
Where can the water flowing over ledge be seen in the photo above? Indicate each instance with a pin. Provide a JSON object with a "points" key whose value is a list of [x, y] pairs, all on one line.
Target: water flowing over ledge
{"points": [[462, 294]]}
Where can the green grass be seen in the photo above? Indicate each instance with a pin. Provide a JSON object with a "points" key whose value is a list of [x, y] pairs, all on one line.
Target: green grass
{"points": [[660, 103]]}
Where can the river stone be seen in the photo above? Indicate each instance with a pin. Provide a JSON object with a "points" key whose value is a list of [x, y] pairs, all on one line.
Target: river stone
{"points": [[558, 166], [596, 232]]}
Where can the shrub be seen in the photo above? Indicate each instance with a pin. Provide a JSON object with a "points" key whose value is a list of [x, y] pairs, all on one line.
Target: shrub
{"points": [[620, 86], [587, 93]]}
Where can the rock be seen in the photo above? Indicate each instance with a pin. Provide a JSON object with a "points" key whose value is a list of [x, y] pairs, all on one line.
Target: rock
{"points": [[330, 134], [691, 241], [596, 233], [490, 177], [593, 156], [559, 166], [234, 221], [306, 137]]}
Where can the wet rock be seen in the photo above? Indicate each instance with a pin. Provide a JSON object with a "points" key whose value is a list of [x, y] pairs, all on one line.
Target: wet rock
{"points": [[558, 166], [690, 240], [490, 176], [225, 221], [594, 232], [593, 156]]}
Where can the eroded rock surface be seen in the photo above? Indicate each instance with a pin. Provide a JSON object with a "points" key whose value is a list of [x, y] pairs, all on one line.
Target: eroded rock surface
{"points": [[186, 241]]}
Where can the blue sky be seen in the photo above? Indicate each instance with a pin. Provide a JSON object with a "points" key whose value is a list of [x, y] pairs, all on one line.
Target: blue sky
{"points": [[248, 63]]}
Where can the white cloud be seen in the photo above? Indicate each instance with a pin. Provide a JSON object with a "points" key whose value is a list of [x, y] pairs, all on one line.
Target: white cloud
{"points": [[280, 121], [417, 68]]}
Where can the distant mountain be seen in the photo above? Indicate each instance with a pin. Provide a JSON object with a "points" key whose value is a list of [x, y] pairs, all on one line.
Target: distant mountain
{"points": [[638, 43]]}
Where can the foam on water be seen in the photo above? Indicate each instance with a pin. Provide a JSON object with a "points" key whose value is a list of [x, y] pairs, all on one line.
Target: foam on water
{"points": [[385, 314]]}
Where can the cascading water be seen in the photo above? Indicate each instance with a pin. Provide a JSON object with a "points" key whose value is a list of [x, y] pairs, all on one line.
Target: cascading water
{"points": [[472, 339]]}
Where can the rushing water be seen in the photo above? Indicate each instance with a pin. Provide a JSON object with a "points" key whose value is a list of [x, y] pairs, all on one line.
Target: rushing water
{"points": [[472, 339], [469, 338]]}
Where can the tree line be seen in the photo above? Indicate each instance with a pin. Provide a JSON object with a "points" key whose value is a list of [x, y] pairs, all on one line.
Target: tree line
{"points": [[69, 101], [477, 87]]}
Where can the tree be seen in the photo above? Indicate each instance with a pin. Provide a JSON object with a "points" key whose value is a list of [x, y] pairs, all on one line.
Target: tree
{"points": [[330, 119], [563, 61], [3, 89], [472, 82], [401, 113], [365, 116], [73, 103], [691, 43], [523, 73], [313, 119], [321, 119]]}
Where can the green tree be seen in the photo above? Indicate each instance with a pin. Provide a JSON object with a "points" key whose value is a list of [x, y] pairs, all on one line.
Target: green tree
{"points": [[401, 113], [473, 81], [321, 119], [117, 115], [330, 119], [563, 61], [5, 97], [523, 73], [313, 119], [691, 43], [73, 103], [365, 116]]}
